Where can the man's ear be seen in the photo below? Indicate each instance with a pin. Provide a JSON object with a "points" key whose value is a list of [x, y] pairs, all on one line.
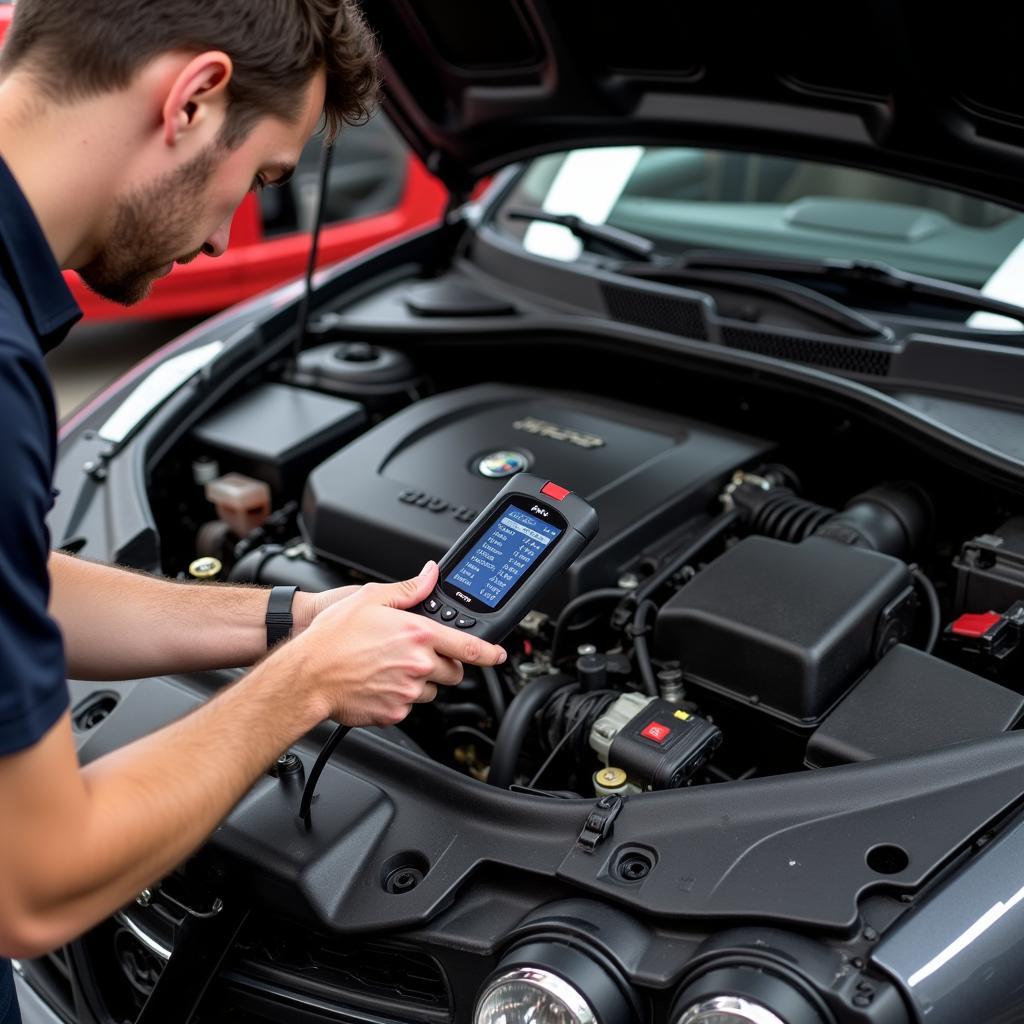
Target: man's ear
{"points": [[197, 97]]}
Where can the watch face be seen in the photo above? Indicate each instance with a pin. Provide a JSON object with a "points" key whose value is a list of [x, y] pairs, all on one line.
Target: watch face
{"points": [[499, 465], [491, 567]]}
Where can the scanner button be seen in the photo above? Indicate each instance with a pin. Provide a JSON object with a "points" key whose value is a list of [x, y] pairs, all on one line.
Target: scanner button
{"points": [[432, 605], [465, 622], [448, 613]]}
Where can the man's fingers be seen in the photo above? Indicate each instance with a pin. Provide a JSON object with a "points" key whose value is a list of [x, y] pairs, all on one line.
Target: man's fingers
{"points": [[470, 650], [448, 672], [428, 694], [405, 593]]}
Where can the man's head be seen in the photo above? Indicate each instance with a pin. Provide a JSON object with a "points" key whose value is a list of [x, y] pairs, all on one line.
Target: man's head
{"points": [[207, 99]]}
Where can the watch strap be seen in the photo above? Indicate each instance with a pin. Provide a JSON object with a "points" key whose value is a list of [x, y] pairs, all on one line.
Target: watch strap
{"points": [[279, 620]]}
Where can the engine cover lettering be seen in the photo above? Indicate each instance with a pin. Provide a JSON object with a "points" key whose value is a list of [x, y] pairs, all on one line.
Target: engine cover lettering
{"points": [[553, 432]]}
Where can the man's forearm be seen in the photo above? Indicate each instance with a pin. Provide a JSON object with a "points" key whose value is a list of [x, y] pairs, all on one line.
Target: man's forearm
{"points": [[125, 625], [97, 841]]}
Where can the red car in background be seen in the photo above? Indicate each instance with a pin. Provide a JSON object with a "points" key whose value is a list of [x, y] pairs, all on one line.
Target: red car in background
{"points": [[377, 189]]}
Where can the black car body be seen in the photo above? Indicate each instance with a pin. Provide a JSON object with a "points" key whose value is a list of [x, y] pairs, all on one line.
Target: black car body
{"points": [[852, 850]]}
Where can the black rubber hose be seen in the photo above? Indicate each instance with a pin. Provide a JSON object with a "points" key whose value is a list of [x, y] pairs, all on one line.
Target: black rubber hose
{"points": [[495, 691], [517, 723], [569, 612], [641, 650], [927, 588]]}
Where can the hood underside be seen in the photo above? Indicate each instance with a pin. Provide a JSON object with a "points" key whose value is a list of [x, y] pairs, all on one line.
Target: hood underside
{"points": [[884, 85]]}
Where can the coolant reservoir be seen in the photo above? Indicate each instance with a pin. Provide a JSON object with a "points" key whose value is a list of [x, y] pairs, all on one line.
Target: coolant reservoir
{"points": [[241, 502]]}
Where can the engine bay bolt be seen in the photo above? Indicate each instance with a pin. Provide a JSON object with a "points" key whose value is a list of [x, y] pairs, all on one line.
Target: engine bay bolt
{"points": [[145, 898], [288, 764], [403, 880], [585, 649], [629, 581]]}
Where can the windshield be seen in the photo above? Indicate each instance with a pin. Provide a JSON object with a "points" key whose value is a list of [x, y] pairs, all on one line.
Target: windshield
{"points": [[684, 198]]}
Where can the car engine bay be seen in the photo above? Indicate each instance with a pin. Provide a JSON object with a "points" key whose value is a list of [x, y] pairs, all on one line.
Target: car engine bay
{"points": [[722, 625]]}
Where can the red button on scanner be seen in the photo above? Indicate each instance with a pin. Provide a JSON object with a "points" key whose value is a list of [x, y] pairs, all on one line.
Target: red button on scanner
{"points": [[976, 625], [656, 731], [552, 490]]}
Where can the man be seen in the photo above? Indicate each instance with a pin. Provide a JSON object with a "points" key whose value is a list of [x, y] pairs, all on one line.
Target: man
{"points": [[130, 130]]}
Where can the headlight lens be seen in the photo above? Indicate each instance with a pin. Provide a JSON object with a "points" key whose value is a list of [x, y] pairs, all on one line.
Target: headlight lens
{"points": [[529, 995], [728, 1010]]}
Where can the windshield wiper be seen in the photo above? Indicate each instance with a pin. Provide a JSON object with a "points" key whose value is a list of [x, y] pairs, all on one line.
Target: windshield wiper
{"points": [[613, 240], [617, 242], [849, 321], [870, 273]]}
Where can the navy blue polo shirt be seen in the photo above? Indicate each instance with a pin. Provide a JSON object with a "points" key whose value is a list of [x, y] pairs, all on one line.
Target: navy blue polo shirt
{"points": [[36, 312]]}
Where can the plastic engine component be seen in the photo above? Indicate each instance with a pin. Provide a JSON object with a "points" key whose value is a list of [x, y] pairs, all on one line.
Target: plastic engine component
{"points": [[657, 744], [277, 433], [908, 703], [405, 490], [788, 626]]}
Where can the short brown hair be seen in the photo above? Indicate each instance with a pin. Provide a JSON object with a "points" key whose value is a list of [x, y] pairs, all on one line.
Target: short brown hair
{"points": [[80, 48]]}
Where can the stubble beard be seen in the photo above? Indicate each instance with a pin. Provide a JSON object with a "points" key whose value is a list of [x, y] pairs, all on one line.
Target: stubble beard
{"points": [[152, 227]]}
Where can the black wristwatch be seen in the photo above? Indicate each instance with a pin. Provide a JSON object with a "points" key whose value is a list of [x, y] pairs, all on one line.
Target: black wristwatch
{"points": [[279, 614]]}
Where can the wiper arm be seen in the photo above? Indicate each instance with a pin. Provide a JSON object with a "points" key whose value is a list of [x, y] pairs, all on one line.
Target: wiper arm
{"points": [[614, 240], [866, 272], [624, 243], [849, 321]]}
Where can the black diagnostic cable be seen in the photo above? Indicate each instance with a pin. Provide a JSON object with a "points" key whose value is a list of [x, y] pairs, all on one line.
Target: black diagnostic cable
{"points": [[305, 804]]}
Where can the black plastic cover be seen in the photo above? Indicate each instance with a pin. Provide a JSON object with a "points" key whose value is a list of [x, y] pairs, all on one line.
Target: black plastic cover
{"points": [[791, 626], [278, 433], [663, 745], [990, 569], [405, 491], [908, 703]]}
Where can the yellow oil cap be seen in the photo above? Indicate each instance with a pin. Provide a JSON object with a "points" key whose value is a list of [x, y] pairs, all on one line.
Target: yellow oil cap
{"points": [[608, 781]]}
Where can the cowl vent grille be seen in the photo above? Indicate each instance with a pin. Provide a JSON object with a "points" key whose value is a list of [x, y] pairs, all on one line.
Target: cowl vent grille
{"points": [[828, 354], [643, 308]]}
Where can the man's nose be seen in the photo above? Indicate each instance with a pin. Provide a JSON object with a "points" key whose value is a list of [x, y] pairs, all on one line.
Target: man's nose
{"points": [[217, 243]]}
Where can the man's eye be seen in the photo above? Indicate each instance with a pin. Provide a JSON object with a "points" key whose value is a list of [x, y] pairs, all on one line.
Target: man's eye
{"points": [[259, 183]]}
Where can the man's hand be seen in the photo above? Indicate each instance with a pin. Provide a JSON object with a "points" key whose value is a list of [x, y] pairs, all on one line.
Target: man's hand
{"points": [[368, 660]]}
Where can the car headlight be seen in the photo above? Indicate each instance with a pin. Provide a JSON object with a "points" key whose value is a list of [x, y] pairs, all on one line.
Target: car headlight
{"points": [[528, 995], [728, 1010], [551, 983], [745, 994]]}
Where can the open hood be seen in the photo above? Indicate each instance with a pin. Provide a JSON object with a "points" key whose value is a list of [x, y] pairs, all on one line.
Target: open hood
{"points": [[888, 85]]}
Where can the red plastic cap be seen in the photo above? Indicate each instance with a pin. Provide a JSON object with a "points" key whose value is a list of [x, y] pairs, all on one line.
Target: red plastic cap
{"points": [[552, 490], [976, 625]]}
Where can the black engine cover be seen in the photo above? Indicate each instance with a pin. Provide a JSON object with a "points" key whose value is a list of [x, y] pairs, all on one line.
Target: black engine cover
{"points": [[404, 491]]}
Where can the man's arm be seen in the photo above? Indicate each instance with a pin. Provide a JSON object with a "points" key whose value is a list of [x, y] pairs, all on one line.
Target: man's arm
{"points": [[119, 624], [79, 843]]}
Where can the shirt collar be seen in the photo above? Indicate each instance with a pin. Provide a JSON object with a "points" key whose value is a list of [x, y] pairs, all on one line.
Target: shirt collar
{"points": [[27, 258]]}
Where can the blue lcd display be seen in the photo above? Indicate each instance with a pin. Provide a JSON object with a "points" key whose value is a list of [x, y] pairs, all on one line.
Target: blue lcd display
{"points": [[502, 555]]}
